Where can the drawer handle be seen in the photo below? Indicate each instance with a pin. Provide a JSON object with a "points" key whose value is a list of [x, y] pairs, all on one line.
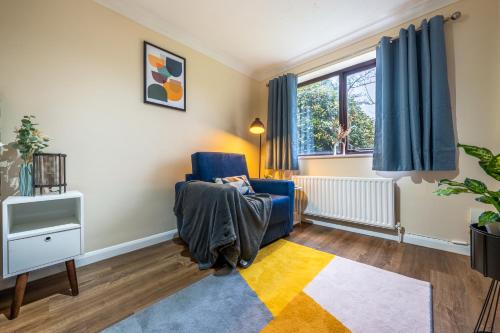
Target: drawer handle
{"points": [[48, 238]]}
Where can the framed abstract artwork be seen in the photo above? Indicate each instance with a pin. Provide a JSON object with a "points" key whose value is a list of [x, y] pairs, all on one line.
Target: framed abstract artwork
{"points": [[164, 78]]}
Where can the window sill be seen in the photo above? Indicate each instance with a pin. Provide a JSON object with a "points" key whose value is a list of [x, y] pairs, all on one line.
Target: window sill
{"points": [[313, 157]]}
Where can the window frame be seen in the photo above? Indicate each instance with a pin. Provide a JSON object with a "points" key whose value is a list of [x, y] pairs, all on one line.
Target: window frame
{"points": [[342, 74]]}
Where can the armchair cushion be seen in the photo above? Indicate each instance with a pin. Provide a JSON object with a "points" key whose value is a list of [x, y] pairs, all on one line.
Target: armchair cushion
{"points": [[283, 196], [240, 182], [280, 210]]}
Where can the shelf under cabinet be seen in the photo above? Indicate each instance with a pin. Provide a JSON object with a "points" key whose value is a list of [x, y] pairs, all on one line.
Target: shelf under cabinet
{"points": [[30, 229]]}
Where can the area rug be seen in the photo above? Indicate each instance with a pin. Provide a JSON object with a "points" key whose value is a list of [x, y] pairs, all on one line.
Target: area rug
{"points": [[292, 288]]}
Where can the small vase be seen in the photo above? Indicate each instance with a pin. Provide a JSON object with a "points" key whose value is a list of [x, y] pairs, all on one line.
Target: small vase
{"points": [[26, 179]]}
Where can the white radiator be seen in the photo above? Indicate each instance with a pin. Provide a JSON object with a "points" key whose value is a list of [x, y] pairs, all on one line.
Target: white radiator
{"points": [[362, 200]]}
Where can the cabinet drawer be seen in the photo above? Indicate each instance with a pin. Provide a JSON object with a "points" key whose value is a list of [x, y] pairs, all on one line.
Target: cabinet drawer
{"points": [[28, 253]]}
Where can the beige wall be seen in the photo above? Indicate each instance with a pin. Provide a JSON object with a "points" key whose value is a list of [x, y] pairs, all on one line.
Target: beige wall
{"points": [[77, 67], [473, 62]]}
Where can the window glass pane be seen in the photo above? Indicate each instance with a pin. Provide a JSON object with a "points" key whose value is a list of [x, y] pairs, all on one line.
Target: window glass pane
{"points": [[318, 116], [361, 109]]}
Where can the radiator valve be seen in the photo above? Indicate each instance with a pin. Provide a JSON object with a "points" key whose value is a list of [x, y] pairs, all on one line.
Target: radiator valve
{"points": [[400, 230]]}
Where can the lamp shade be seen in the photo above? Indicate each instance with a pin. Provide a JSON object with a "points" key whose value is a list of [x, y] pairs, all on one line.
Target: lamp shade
{"points": [[257, 127]]}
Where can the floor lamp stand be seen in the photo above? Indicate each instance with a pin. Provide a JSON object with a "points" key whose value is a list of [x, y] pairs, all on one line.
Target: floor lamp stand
{"points": [[260, 150]]}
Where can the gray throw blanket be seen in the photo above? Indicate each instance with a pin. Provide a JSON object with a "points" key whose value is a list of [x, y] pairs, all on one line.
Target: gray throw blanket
{"points": [[217, 220]]}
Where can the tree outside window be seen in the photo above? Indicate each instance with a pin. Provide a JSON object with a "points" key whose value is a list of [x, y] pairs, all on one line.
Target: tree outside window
{"points": [[342, 99]]}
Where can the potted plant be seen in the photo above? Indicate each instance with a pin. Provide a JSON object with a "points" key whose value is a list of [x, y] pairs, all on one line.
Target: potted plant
{"points": [[29, 141], [490, 163]]}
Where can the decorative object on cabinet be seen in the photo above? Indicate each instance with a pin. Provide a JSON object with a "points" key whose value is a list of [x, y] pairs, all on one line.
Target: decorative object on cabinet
{"points": [[38, 232], [29, 141], [49, 171], [164, 78]]}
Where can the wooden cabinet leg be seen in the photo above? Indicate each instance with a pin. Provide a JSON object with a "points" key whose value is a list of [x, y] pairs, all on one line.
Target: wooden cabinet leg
{"points": [[17, 300], [71, 270]]}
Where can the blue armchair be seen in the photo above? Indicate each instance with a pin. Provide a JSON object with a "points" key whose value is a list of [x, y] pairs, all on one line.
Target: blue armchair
{"points": [[207, 166]]}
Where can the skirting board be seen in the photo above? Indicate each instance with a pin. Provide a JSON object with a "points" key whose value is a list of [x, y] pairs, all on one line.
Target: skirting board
{"points": [[115, 250], [408, 238], [97, 255]]}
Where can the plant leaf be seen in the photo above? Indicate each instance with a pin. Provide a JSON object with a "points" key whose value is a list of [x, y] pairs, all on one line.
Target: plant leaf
{"points": [[29, 139], [475, 186], [487, 218], [493, 167], [485, 199], [450, 182], [481, 153], [445, 192]]}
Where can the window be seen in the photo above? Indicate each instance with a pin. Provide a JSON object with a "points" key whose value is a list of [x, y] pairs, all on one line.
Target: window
{"points": [[342, 99]]}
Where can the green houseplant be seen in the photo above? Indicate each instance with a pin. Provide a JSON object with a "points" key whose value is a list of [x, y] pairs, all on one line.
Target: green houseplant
{"points": [[490, 163], [29, 140]]}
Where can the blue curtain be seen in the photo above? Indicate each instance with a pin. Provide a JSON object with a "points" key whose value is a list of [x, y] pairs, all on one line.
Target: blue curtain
{"points": [[413, 120], [282, 124]]}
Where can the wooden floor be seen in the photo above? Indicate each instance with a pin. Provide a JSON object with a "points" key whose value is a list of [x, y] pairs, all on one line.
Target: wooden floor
{"points": [[113, 289]]}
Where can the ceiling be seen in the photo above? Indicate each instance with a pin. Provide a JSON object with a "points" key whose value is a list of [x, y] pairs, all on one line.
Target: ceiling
{"points": [[262, 38]]}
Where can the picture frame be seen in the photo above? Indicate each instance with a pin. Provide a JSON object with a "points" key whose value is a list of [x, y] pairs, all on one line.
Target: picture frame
{"points": [[164, 78]]}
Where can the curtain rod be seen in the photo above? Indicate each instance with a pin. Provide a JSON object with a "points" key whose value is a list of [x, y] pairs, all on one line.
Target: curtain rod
{"points": [[453, 17]]}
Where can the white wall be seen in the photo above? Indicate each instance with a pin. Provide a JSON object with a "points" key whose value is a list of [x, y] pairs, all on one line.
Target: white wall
{"points": [[473, 65]]}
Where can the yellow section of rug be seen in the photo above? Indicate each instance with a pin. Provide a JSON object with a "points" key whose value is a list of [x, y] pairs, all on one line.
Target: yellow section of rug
{"points": [[280, 272], [304, 315]]}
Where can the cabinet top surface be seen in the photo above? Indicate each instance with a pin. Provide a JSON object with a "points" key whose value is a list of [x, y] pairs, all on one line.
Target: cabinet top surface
{"points": [[12, 200]]}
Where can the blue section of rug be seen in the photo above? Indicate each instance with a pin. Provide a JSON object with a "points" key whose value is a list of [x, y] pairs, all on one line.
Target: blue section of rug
{"points": [[216, 304]]}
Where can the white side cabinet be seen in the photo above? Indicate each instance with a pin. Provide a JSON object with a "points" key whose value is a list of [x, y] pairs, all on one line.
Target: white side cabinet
{"points": [[41, 231]]}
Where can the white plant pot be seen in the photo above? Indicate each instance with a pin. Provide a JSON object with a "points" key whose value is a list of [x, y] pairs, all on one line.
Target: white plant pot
{"points": [[493, 228]]}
